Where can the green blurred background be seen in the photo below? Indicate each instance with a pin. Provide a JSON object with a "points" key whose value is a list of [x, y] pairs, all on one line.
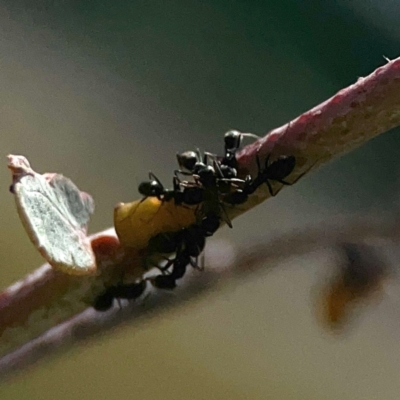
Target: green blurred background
{"points": [[103, 91]]}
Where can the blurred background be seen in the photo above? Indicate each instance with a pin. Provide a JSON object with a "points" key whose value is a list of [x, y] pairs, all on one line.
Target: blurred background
{"points": [[104, 91]]}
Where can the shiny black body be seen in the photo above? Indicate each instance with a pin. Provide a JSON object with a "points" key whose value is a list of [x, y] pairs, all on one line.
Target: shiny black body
{"points": [[232, 142], [129, 292], [189, 243], [277, 170], [187, 194], [213, 180]]}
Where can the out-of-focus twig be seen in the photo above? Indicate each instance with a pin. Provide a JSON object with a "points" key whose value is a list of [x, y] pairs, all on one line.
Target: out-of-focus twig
{"points": [[231, 265]]}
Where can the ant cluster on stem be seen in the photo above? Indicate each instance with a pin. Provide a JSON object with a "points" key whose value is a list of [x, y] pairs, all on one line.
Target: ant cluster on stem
{"points": [[208, 182]]}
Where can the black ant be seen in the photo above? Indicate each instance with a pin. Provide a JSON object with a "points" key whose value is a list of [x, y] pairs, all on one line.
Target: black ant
{"points": [[225, 166], [187, 244], [233, 140], [191, 239], [179, 265], [277, 170], [215, 179], [190, 194], [129, 292], [191, 163]]}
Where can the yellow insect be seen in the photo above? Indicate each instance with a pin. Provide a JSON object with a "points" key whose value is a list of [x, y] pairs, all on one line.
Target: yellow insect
{"points": [[137, 222]]}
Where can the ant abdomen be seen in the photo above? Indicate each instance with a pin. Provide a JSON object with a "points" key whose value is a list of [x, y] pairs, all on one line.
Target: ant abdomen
{"points": [[165, 243], [129, 292], [280, 168], [236, 198], [164, 282]]}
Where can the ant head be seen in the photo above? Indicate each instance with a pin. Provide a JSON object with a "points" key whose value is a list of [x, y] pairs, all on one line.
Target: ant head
{"points": [[150, 188], [199, 167], [187, 160], [205, 171], [104, 302], [207, 175], [232, 140], [227, 171]]}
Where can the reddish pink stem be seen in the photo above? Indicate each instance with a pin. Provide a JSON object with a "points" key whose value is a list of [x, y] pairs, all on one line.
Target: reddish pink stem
{"points": [[342, 123], [47, 297]]}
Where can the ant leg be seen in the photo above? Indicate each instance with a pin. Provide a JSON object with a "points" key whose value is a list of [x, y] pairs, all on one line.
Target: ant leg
{"points": [[194, 263], [201, 266], [305, 172], [298, 178], [178, 171], [119, 303], [176, 184], [258, 163], [164, 269], [225, 216], [260, 170], [153, 264], [270, 188], [152, 176], [218, 169], [284, 182], [207, 156], [199, 158], [232, 180], [267, 160], [250, 135], [117, 298]]}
